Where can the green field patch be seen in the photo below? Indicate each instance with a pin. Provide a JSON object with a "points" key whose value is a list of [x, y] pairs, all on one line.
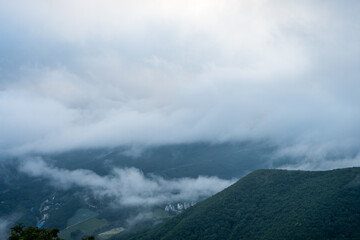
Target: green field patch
{"points": [[110, 233], [83, 229]]}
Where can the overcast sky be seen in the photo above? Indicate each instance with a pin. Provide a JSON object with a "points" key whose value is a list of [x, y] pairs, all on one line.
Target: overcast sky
{"points": [[105, 73]]}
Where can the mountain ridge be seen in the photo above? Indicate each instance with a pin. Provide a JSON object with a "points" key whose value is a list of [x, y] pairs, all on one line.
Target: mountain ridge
{"points": [[274, 204]]}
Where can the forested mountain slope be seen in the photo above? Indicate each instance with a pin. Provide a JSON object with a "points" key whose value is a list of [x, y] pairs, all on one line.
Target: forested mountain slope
{"points": [[274, 204]]}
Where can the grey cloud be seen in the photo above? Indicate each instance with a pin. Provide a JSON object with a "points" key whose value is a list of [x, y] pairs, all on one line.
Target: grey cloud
{"points": [[155, 72], [128, 186], [321, 163], [4, 228], [6, 222]]}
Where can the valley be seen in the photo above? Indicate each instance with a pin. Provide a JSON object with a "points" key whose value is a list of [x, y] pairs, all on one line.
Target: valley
{"points": [[77, 212]]}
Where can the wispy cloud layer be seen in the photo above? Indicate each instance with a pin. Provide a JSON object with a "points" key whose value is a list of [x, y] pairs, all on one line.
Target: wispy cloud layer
{"points": [[128, 186], [4, 225], [106, 73], [6, 222]]}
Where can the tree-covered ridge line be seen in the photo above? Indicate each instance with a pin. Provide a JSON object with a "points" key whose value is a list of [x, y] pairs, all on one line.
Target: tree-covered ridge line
{"points": [[274, 204]]}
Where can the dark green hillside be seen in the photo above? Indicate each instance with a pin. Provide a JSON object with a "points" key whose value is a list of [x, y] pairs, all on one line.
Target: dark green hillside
{"points": [[274, 204]]}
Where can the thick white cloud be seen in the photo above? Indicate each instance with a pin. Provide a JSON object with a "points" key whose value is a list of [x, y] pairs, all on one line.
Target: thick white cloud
{"points": [[129, 186], [106, 73]]}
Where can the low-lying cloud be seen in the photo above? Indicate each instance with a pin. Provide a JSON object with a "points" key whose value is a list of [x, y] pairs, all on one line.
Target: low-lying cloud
{"points": [[108, 73], [6, 222], [128, 186], [4, 228]]}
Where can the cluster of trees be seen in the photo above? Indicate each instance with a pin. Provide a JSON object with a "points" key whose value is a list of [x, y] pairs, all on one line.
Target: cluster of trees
{"points": [[19, 232]]}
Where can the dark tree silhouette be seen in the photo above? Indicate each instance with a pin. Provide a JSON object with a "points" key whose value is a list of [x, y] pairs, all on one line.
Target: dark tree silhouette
{"points": [[19, 232]]}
